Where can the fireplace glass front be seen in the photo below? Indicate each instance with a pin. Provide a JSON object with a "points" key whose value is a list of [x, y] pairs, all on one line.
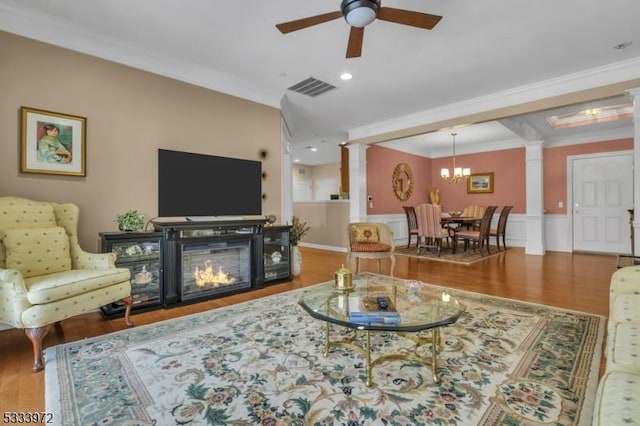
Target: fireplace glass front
{"points": [[216, 267]]}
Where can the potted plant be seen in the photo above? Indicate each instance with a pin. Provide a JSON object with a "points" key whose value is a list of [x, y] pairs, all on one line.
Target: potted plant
{"points": [[298, 230], [131, 221]]}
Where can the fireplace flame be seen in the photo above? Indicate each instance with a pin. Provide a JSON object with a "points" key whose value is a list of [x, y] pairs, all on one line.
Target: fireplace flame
{"points": [[206, 276]]}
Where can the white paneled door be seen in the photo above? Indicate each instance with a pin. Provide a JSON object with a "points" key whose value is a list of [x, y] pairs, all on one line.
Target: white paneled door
{"points": [[602, 188]]}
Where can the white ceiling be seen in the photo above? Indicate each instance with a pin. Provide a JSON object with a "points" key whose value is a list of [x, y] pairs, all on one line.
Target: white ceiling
{"points": [[482, 54]]}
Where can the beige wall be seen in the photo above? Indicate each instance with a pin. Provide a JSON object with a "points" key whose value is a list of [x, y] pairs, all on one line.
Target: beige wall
{"points": [[130, 114], [327, 219]]}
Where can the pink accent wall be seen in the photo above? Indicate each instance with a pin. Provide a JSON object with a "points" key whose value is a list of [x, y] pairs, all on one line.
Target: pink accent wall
{"points": [[380, 165], [555, 169], [509, 180], [508, 166]]}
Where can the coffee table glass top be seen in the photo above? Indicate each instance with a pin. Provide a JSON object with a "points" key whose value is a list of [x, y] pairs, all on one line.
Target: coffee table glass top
{"points": [[419, 306]]}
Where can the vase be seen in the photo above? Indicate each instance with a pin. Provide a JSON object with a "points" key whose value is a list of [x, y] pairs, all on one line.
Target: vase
{"points": [[296, 261]]}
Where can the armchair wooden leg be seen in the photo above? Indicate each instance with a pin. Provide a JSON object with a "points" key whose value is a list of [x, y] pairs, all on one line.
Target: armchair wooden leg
{"points": [[37, 335], [393, 264], [128, 303]]}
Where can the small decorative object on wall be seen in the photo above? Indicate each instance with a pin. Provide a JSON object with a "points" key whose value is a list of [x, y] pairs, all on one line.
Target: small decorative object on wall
{"points": [[263, 154], [402, 182], [264, 175], [131, 221], [52, 143], [480, 183]]}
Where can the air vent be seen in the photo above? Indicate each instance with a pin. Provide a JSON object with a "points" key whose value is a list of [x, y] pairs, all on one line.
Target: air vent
{"points": [[312, 87]]}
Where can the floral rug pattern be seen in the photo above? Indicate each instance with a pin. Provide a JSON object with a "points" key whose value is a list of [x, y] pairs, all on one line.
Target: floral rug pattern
{"points": [[260, 363]]}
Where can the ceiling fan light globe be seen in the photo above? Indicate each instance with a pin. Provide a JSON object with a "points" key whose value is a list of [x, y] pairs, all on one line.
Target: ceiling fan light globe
{"points": [[359, 13]]}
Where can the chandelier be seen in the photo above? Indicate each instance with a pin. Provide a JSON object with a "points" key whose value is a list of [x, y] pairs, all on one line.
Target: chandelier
{"points": [[459, 173]]}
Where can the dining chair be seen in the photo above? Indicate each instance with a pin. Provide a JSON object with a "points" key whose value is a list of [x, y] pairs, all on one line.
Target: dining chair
{"points": [[481, 235], [430, 231], [412, 224], [474, 210], [501, 230]]}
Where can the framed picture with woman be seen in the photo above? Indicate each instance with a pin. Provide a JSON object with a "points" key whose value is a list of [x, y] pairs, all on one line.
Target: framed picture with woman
{"points": [[52, 143]]}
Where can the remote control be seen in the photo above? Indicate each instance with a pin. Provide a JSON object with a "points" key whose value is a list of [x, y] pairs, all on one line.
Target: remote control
{"points": [[382, 303]]}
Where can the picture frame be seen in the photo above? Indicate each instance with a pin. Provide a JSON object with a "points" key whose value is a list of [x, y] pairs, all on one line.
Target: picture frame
{"points": [[52, 143], [480, 183]]}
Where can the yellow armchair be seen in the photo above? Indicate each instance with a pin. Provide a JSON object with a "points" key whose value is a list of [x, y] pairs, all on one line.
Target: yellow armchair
{"points": [[45, 276]]}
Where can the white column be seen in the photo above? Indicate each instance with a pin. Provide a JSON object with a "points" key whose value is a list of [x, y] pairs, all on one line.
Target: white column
{"points": [[286, 176], [535, 198], [358, 182], [634, 96]]}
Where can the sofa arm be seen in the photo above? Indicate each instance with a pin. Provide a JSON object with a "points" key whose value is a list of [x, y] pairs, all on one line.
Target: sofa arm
{"points": [[86, 260], [13, 297]]}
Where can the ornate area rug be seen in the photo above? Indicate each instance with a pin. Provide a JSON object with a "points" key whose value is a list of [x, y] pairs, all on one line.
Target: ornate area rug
{"points": [[446, 255], [260, 362]]}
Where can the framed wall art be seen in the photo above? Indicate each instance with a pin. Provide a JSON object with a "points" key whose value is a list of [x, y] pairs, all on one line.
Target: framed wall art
{"points": [[52, 143], [480, 183]]}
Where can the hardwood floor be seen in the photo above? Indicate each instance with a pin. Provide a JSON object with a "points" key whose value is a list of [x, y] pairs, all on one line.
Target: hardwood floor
{"points": [[571, 281]]}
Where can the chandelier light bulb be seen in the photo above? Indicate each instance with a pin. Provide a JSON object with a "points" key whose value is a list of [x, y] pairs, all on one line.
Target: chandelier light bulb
{"points": [[459, 173]]}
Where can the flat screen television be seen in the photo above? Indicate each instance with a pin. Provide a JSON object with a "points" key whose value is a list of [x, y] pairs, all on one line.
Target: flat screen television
{"points": [[193, 185]]}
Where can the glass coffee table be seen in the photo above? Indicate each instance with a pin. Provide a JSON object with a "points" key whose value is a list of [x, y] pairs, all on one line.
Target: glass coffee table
{"points": [[419, 308]]}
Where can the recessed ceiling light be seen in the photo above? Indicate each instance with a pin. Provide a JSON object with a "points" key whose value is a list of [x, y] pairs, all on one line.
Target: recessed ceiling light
{"points": [[346, 76], [296, 160]]}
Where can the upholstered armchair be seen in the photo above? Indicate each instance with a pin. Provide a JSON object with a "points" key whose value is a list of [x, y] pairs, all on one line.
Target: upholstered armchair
{"points": [[45, 277], [368, 240]]}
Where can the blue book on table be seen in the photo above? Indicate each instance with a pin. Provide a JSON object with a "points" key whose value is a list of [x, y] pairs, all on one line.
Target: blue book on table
{"points": [[373, 318]]}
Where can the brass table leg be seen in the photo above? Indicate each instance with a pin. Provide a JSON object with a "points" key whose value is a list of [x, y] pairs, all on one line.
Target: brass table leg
{"points": [[365, 350], [435, 341], [327, 343], [369, 380]]}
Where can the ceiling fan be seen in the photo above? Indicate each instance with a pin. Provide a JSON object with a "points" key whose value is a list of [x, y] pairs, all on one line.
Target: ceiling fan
{"points": [[359, 14]]}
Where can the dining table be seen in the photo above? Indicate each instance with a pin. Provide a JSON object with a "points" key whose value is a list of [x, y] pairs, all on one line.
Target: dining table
{"points": [[466, 221]]}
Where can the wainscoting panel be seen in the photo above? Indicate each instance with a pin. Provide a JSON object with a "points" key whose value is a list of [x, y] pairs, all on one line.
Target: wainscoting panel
{"points": [[557, 232]]}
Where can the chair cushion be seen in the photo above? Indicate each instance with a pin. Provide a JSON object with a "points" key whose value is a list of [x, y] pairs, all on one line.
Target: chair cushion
{"points": [[623, 346], [617, 399], [370, 247], [63, 285], [18, 212], [364, 234], [624, 281], [37, 251], [468, 234], [626, 308]]}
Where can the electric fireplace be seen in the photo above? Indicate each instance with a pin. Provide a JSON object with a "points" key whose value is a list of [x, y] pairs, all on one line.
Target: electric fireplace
{"points": [[210, 259], [215, 267]]}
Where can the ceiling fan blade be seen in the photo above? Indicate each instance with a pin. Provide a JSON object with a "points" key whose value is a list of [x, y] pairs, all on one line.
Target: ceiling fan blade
{"points": [[408, 17], [298, 24], [354, 48]]}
